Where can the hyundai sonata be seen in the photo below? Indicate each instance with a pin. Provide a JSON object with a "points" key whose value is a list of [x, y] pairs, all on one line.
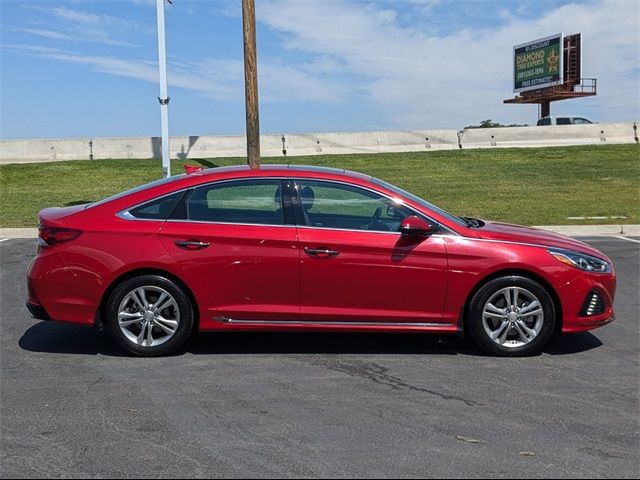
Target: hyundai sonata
{"points": [[305, 248]]}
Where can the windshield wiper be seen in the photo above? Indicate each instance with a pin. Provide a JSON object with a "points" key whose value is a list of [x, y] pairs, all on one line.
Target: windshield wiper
{"points": [[472, 222]]}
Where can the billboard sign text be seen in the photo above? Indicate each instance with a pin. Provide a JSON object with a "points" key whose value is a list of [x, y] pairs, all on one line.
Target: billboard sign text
{"points": [[538, 64]]}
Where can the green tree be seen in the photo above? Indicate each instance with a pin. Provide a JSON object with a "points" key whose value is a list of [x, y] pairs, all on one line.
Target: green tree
{"points": [[491, 124]]}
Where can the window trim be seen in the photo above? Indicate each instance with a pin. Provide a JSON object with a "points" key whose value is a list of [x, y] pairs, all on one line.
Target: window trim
{"points": [[293, 205]]}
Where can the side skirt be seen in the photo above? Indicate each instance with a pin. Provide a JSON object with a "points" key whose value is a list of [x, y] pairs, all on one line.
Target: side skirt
{"points": [[223, 323]]}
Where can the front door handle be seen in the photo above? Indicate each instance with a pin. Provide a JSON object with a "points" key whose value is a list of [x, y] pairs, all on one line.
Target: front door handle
{"points": [[321, 252], [192, 244]]}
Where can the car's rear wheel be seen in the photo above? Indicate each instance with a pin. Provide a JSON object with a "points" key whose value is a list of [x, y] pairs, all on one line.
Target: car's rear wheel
{"points": [[149, 315], [511, 316]]}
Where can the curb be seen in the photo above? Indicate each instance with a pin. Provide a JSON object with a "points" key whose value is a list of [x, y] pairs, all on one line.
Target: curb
{"points": [[569, 230], [18, 232], [593, 230]]}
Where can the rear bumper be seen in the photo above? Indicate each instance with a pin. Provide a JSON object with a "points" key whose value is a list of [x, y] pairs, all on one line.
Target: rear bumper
{"points": [[37, 311], [55, 293]]}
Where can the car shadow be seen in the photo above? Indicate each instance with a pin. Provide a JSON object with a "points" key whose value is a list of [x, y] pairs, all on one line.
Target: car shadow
{"points": [[49, 337], [329, 343], [573, 343]]}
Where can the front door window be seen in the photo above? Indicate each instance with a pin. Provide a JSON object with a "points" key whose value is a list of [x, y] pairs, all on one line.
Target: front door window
{"points": [[346, 207]]}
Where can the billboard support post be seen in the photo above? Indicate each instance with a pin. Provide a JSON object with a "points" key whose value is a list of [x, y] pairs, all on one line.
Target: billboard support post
{"points": [[545, 108]]}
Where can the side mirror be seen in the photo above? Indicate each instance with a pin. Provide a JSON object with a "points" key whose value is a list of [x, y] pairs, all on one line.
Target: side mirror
{"points": [[414, 225]]}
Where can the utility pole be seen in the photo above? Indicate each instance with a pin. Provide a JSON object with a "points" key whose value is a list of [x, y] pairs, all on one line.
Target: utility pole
{"points": [[163, 98], [251, 83]]}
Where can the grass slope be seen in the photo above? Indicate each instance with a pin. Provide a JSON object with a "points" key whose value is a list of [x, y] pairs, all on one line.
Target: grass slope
{"points": [[531, 186]]}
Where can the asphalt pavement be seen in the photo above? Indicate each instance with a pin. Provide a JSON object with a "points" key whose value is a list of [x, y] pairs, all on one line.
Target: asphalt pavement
{"points": [[317, 405]]}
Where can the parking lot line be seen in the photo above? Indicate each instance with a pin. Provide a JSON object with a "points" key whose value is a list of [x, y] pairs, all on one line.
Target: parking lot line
{"points": [[629, 239], [3, 239]]}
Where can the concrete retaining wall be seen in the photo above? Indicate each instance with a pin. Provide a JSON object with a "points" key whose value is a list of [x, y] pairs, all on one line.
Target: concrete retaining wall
{"points": [[26, 151], [557, 135]]}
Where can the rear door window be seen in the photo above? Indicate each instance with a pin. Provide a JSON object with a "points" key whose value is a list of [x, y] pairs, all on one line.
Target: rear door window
{"points": [[257, 202], [544, 121], [563, 121]]}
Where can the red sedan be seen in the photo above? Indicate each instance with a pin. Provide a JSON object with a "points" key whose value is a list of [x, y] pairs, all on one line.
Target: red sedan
{"points": [[306, 248]]}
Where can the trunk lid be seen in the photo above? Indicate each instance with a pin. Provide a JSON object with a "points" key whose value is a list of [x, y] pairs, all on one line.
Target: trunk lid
{"points": [[54, 216]]}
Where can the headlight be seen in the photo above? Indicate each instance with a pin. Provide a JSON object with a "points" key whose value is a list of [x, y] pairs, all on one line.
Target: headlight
{"points": [[581, 261]]}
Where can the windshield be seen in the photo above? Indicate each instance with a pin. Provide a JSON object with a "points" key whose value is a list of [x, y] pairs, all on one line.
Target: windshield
{"points": [[420, 201], [135, 190]]}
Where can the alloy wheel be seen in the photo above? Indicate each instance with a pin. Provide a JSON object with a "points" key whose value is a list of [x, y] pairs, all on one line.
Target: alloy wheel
{"points": [[148, 316], [512, 317]]}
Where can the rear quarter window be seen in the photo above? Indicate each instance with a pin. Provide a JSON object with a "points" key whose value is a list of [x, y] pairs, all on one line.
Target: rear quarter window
{"points": [[157, 209]]}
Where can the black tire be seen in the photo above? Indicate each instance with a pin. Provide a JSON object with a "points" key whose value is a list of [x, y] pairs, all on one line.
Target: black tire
{"points": [[182, 308], [492, 288]]}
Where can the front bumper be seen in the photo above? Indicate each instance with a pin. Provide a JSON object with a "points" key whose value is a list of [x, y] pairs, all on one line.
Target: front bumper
{"points": [[572, 298]]}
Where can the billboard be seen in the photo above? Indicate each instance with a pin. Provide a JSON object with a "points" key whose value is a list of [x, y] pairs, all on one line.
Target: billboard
{"points": [[538, 64]]}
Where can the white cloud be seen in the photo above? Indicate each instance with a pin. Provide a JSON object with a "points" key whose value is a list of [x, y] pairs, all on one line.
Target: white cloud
{"points": [[422, 80], [340, 52], [85, 26], [144, 3], [41, 32], [219, 79]]}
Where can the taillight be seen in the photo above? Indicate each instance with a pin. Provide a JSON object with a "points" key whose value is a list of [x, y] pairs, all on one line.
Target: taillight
{"points": [[54, 235]]}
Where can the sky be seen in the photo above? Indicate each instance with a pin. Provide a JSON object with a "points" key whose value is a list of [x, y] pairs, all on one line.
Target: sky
{"points": [[89, 68]]}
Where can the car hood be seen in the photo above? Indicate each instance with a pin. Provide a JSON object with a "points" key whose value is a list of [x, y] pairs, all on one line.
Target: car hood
{"points": [[536, 236]]}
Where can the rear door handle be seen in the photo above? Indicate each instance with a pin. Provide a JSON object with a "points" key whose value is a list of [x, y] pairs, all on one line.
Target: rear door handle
{"points": [[321, 252], [192, 244]]}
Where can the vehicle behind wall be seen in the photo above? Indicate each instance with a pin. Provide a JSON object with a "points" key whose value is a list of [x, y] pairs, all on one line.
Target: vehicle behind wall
{"points": [[563, 120]]}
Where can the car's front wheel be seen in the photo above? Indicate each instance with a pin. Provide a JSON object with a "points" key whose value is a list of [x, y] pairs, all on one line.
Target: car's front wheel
{"points": [[511, 316], [149, 315]]}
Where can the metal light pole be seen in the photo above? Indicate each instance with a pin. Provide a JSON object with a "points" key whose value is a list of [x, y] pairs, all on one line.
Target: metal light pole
{"points": [[163, 98], [251, 83]]}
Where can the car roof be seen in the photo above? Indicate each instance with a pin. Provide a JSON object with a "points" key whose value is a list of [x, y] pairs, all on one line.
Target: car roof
{"points": [[177, 182], [282, 170]]}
